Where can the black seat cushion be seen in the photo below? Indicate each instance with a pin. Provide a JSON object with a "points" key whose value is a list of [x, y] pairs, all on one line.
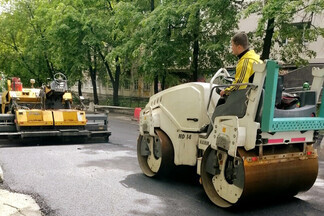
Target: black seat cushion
{"points": [[234, 106]]}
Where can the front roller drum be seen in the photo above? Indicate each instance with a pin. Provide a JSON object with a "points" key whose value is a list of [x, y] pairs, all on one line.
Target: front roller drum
{"points": [[228, 181], [155, 154]]}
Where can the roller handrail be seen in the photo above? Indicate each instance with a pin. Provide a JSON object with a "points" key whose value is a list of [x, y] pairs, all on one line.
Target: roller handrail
{"points": [[220, 72]]}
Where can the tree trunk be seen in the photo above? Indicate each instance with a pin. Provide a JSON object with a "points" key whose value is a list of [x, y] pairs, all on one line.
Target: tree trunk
{"points": [[195, 61], [93, 74], [94, 85], [49, 65], [80, 88], [195, 53], [156, 83], [267, 40], [116, 83], [163, 80], [108, 70], [156, 76]]}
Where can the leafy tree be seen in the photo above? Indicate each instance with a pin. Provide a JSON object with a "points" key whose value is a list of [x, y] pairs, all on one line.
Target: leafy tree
{"points": [[29, 56], [108, 39], [72, 40], [65, 31], [117, 41], [287, 24], [71, 37], [189, 34]]}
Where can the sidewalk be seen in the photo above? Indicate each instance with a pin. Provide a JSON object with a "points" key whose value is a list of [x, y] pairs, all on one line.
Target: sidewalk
{"points": [[15, 204], [12, 204]]}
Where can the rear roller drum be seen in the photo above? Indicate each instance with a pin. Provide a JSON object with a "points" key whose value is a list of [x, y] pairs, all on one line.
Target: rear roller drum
{"points": [[155, 154], [228, 180]]}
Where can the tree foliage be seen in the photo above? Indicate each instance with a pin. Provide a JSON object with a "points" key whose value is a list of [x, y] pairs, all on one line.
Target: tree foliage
{"points": [[24, 45], [286, 27], [111, 40], [189, 35], [108, 39]]}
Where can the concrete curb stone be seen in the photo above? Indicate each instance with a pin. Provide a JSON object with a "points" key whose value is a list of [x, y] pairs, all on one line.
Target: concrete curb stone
{"points": [[17, 204]]}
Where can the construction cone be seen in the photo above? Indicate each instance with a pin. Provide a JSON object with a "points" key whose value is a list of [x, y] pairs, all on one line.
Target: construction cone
{"points": [[137, 112]]}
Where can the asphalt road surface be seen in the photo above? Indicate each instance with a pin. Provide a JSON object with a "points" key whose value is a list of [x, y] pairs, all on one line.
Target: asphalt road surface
{"points": [[104, 179]]}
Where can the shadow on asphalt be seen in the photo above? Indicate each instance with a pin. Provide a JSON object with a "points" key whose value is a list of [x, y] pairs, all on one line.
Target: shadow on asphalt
{"points": [[184, 185], [49, 141], [110, 164]]}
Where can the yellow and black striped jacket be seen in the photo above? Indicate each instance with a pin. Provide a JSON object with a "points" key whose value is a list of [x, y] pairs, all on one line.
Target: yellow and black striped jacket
{"points": [[244, 70]]}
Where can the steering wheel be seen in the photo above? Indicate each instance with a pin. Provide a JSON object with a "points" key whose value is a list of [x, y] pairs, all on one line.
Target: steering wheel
{"points": [[59, 77], [221, 73], [229, 79]]}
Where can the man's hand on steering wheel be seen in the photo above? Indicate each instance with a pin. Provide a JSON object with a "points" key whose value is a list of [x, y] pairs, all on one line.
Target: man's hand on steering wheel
{"points": [[222, 93]]}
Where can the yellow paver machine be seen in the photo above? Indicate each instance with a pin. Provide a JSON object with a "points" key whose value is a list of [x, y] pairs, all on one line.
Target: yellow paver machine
{"points": [[46, 112], [258, 144]]}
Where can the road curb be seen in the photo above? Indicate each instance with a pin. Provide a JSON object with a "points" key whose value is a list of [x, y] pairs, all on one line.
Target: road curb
{"points": [[12, 203], [17, 204]]}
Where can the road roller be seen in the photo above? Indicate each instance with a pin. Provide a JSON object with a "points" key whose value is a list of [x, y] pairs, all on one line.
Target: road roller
{"points": [[259, 143]]}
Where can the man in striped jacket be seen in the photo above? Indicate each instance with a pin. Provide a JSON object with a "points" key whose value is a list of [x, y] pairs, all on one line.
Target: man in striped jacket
{"points": [[244, 68]]}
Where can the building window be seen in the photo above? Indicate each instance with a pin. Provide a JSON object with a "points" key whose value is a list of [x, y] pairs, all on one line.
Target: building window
{"points": [[136, 84], [126, 84], [147, 86], [110, 86]]}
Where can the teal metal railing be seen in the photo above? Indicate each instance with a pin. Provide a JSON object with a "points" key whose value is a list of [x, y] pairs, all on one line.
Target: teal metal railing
{"points": [[271, 124]]}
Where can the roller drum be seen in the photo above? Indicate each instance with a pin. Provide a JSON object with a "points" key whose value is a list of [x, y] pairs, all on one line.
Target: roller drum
{"points": [[262, 177], [279, 177], [155, 154]]}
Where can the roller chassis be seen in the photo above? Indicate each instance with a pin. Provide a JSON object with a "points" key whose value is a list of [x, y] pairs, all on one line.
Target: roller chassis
{"points": [[236, 157]]}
